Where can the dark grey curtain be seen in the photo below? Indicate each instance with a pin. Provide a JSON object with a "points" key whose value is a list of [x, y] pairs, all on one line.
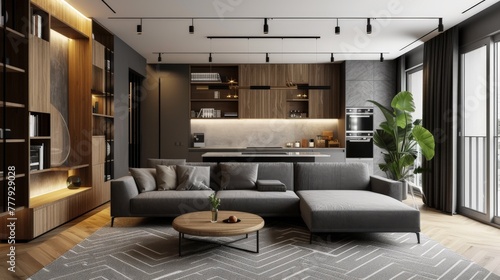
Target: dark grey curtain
{"points": [[440, 88]]}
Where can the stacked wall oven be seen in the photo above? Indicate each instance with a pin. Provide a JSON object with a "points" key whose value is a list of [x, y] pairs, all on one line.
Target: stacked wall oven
{"points": [[359, 135]]}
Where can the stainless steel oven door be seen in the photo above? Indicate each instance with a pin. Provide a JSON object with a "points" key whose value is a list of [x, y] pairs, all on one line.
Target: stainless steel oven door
{"points": [[359, 122], [359, 147]]}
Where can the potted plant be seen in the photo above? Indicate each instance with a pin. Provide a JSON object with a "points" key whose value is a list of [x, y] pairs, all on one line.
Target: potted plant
{"points": [[399, 136], [214, 204]]}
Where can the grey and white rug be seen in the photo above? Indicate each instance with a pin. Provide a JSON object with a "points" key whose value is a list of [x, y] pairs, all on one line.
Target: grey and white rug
{"points": [[151, 252]]}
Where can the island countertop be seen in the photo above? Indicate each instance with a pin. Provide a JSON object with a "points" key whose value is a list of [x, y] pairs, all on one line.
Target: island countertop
{"points": [[265, 156]]}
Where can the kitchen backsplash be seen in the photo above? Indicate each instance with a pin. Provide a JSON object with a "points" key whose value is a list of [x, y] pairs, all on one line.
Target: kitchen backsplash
{"points": [[260, 132]]}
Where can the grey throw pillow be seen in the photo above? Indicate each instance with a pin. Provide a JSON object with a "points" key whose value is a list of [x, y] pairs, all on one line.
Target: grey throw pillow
{"points": [[270, 186], [239, 176], [144, 178], [193, 177], [166, 177]]}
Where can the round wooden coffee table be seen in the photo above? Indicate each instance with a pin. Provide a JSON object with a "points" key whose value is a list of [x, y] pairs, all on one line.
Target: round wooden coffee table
{"points": [[199, 224]]}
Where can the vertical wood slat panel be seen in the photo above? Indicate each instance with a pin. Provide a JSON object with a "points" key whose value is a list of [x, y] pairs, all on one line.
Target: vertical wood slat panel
{"points": [[39, 75]]}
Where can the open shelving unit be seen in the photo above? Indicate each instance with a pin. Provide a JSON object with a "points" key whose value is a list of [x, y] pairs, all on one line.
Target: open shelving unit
{"points": [[220, 94], [42, 200], [14, 143], [102, 92]]}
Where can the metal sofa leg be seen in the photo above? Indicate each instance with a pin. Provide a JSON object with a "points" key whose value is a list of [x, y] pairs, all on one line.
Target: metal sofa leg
{"points": [[418, 237], [112, 221]]}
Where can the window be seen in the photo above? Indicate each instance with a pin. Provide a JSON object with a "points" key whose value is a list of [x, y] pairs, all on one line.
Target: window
{"points": [[414, 84]]}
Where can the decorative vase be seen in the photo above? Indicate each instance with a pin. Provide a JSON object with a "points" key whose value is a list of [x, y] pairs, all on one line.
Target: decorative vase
{"points": [[215, 213]]}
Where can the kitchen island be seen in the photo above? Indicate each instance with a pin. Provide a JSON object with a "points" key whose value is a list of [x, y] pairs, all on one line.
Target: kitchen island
{"points": [[263, 156]]}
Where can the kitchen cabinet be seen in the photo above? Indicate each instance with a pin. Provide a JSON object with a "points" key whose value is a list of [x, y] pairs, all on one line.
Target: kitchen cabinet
{"points": [[262, 104], [320, 104], [315, 92]]}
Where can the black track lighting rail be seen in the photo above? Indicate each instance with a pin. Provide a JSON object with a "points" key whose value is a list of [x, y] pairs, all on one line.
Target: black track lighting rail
{"points": [[263, 37], [276, 18]]}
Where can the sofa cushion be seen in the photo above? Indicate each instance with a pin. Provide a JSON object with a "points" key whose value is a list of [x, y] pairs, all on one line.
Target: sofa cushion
{"points": [[260, 203], [238, 176], [153, 162], [282, 171], [331, 176], [356, 211], [214, 173], [193, 177], [270, 186], [169, 203], [166, 177], [144, 178]]}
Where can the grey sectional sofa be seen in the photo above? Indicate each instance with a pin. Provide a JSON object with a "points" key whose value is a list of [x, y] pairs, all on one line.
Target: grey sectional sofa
{"points": [[330, 197]]}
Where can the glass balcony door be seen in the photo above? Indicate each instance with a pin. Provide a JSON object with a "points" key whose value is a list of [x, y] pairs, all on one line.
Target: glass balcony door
{"points": [[478, 149]]}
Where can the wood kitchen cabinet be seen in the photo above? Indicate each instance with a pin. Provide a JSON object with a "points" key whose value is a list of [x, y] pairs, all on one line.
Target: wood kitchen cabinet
{"points": [[262, 104], [316, 94]]}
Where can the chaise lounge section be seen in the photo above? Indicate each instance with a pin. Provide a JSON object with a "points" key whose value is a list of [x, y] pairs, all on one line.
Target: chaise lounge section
{"points": [[343, 197]]}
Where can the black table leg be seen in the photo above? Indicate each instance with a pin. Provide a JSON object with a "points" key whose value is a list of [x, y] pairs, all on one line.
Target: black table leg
{"points": [[180, 244], [257, 242]]}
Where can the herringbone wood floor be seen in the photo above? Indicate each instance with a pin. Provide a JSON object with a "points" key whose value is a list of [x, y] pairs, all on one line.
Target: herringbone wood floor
{"points": [[473, 240]]}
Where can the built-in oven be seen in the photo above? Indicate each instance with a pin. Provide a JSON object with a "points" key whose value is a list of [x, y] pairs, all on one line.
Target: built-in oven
{"points": [[359, 119], [359, 132], [359, 145]]}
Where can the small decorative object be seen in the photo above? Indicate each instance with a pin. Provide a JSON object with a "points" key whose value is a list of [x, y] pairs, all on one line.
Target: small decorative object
{"points": [[214, 204], [311, 143], [108, 149], [233, 219], [73, 182]]}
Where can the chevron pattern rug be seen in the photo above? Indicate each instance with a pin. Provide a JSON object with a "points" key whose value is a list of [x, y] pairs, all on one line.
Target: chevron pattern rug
{"points": [[151, 252]]}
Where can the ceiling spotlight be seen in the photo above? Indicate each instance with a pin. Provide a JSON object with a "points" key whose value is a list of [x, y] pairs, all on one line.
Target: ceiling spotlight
{"points": [[191, 27], [266, 27], [368, 26], [440, 25], [337, 28], [267, 57], [210, 58], [331, 58], [139, 28], [381, 57], [159, 57]]}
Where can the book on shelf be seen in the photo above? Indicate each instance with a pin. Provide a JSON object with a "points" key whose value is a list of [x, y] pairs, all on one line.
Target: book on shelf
{"points": [[206, 113], [36, 27], [33, 125]]}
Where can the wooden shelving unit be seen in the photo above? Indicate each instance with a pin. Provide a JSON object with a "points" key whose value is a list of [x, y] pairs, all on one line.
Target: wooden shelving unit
{"points": [[42, 199], [13, 111], [221, 96], [103, 101]]}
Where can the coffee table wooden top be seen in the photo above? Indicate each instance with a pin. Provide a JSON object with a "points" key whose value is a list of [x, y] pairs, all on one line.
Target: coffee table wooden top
{"points": [[198, 223]]}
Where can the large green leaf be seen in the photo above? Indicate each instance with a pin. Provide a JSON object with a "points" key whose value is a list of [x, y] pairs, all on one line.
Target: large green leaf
{"points": [[388, 113], [425, 140], [384, 140], [403, 101], [403, 118]]}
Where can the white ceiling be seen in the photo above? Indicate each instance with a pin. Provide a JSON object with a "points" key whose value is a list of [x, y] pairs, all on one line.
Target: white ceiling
{"points": [[390, 35]]}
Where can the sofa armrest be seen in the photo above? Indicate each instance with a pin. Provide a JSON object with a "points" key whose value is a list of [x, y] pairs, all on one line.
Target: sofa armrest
{"points": [[386, 186], [122, 190]]}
